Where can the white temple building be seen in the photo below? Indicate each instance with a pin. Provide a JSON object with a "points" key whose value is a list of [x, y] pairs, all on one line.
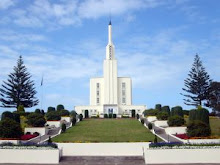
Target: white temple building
{"points": [[110, 94]]}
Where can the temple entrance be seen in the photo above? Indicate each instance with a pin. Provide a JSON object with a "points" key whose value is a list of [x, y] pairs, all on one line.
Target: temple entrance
{"points": [[86, 113], [133, 113]]}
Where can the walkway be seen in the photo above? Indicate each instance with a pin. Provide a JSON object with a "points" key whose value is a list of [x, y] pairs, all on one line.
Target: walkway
{"points": [[161, 132]]}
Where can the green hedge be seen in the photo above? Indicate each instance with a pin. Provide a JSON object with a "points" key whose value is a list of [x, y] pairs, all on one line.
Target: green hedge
{"points": [[178, 110], [175, 121]]}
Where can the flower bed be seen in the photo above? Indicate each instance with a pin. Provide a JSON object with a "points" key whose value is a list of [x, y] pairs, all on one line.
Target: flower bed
{"points": [[28, 136], [182, 136], [177, 145]]}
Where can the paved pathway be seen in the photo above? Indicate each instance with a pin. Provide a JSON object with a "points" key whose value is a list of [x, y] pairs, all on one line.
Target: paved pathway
{"points": [[161, 132]]}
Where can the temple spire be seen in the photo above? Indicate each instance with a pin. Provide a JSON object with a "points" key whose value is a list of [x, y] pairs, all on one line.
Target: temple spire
{"points": [[110, 32]]}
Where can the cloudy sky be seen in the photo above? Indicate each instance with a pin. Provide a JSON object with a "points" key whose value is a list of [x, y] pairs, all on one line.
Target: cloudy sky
{"points": [[64, 40]]}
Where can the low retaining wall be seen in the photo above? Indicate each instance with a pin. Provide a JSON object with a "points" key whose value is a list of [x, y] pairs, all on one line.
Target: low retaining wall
{"points": [[40, 130], [161, 123], [171, 156], [67, 119], [30, 156], [55, 123], [175, 130], [102, 149], [9, 141], [151, 118]]}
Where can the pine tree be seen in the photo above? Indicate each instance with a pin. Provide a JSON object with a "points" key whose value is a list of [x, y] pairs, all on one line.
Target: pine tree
{"points": [[197, 84], [19, 88]]}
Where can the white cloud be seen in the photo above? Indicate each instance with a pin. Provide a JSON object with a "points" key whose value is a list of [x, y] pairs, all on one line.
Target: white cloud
{"points": [[4, 4]]}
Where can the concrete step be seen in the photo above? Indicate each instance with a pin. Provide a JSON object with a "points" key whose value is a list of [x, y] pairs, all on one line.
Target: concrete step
{"points": [[102, 160]]}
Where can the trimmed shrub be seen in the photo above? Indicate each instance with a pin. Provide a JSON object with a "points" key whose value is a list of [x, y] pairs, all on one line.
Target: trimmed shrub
{"points": [[7, 114], [198, 128], [50, 109], [137, 116], [178, 110], [155, 139], [114, 115], [201, 114], [36, 133], [27, 133], [60, 107], [73, 121], [73, 113], [186, 112], [63, 127], [80, 117], [105, 115], [53, 115], [176, 121], [150, 126], [10, 129], [49, 140], [166, 109], [42, 112], [110, 115], [36, 120], [64, 112], [162, 116], [142, 121], [37, 111], [158, 107], [150, 112], [16, 117]]}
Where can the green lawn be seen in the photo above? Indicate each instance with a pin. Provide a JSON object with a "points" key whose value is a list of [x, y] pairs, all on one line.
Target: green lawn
{"points": [[106, 130], [215, 126]]}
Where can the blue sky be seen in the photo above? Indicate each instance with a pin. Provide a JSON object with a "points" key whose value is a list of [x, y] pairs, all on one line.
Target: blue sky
{"points": [[155, 41]]}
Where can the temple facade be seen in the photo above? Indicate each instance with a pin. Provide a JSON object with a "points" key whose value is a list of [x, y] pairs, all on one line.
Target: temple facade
{"points": [[110, 94]]}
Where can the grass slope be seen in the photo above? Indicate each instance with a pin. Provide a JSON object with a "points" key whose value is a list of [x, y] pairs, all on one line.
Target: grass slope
{"points": [[106, 130]]}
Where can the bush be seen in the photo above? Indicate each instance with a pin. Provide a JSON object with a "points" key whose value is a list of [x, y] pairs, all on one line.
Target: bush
{"points": [[73, 121], [10, 129], [155, 139], [137, 116], [42, 112], [105, 115], [36, 133], [186, 112], [37, 111], [36, 120], [64, 112], [53, 115], [162, 116], [73, 114], [178, 110], [150, 112], [142, 121], [158, 107], [16, 117], [201, 114], [7, 114], [175, 121], [63, 127], [27, 133], [166, 109], [198, 128], [110, 115], [50, 109], [150, 126], [114, 115], [49, 141], [80, 117], [60, 107]]}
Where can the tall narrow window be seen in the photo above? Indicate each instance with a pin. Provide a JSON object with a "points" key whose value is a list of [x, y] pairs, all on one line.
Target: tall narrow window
{"points": [[98, 93], [123, 93]]}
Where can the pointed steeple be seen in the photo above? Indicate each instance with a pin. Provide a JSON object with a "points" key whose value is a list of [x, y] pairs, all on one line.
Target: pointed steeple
{"points": [[110, 32]]}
